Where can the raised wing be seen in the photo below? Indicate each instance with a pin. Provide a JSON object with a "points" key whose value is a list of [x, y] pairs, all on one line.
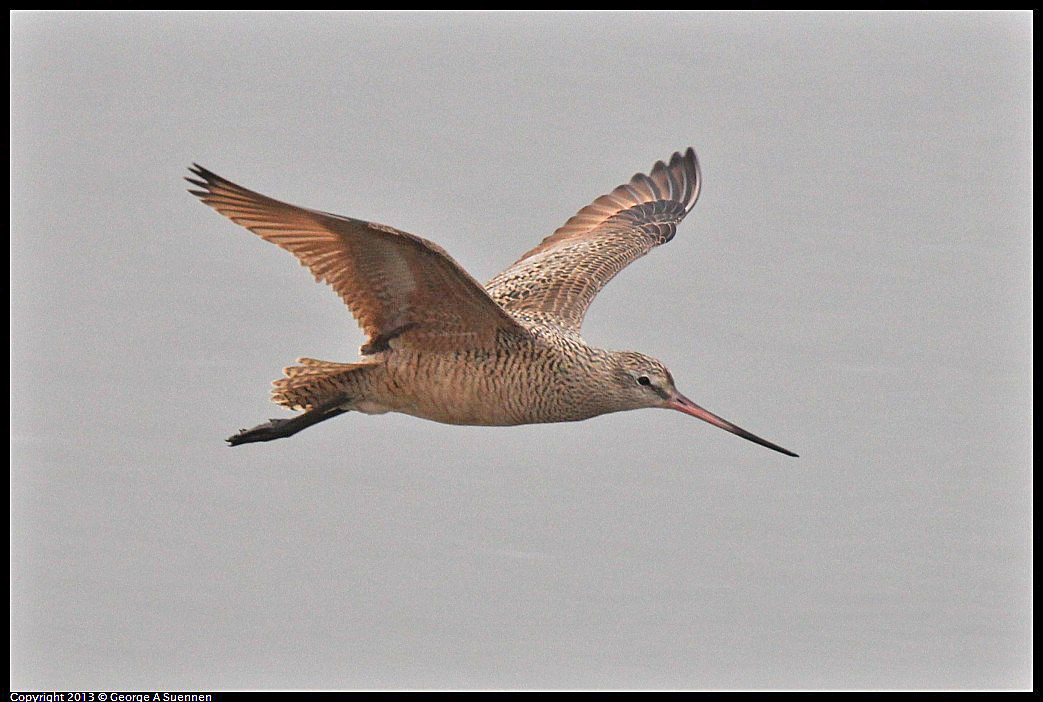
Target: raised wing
{"points": [[396, 285], [556, 281]]}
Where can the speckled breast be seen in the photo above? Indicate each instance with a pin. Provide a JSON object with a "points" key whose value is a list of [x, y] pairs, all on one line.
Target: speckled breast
{"points": [[518, 383]]}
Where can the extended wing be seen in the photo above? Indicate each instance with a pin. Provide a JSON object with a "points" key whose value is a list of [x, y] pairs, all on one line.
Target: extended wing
{"points": [[397, 286], [556, 281]]}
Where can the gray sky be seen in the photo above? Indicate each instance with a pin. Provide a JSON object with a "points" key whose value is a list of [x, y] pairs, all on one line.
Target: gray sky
{"points": [[854, 284]]}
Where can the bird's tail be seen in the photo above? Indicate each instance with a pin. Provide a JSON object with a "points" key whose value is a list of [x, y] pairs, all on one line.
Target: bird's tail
{"points": [[314, 382]]}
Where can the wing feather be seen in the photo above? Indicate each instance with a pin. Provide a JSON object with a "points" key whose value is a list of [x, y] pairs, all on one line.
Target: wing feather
{"points": [[556, 281], [394, 283]]}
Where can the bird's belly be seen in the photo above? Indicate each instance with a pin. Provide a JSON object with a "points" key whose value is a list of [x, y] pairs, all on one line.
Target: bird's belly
{"points": [[369, 407], [453, 406], [468, 391]]}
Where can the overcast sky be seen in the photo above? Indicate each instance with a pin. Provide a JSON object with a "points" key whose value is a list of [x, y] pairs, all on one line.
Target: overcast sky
{"points": [[854, 284]]}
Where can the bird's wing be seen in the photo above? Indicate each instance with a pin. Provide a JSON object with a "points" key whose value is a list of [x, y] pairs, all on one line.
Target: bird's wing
{"points": [[396, 285], [556, 281]]}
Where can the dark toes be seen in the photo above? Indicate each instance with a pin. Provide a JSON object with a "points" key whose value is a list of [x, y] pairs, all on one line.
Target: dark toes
{"points": [[262, 432]]}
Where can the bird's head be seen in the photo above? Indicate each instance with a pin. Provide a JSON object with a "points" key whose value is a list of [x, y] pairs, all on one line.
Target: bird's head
{"points": [[642, 381]]}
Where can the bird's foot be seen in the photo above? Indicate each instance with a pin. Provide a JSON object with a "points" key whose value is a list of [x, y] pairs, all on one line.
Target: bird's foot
{"points": [[281, 428], [272, 429]]}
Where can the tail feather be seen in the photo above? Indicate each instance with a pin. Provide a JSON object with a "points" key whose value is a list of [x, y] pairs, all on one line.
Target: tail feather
{"points": [[314, 382]]}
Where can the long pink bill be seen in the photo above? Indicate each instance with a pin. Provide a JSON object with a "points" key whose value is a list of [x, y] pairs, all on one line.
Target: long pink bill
{"points": [[683, 404]]}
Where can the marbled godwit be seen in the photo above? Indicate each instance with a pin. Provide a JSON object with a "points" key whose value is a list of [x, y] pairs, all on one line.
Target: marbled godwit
{"points": [[443, 347]]}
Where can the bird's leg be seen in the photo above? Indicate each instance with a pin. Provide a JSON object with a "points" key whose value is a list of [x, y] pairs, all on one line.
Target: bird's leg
{"points": [[281, 428]]}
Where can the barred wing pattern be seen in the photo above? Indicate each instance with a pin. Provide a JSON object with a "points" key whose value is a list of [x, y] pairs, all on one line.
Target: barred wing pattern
{"points": [[396, 285], [556, 281]]}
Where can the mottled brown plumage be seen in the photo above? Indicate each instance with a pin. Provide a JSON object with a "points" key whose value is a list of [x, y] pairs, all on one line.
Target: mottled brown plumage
{"points": [[441, 346]]}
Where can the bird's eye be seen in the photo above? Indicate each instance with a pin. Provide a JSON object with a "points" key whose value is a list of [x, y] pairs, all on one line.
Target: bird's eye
{"points": [[643, 380]]}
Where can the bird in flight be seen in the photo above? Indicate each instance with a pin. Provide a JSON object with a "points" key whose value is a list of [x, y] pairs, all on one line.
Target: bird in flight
{"points": [[443, 347]]}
